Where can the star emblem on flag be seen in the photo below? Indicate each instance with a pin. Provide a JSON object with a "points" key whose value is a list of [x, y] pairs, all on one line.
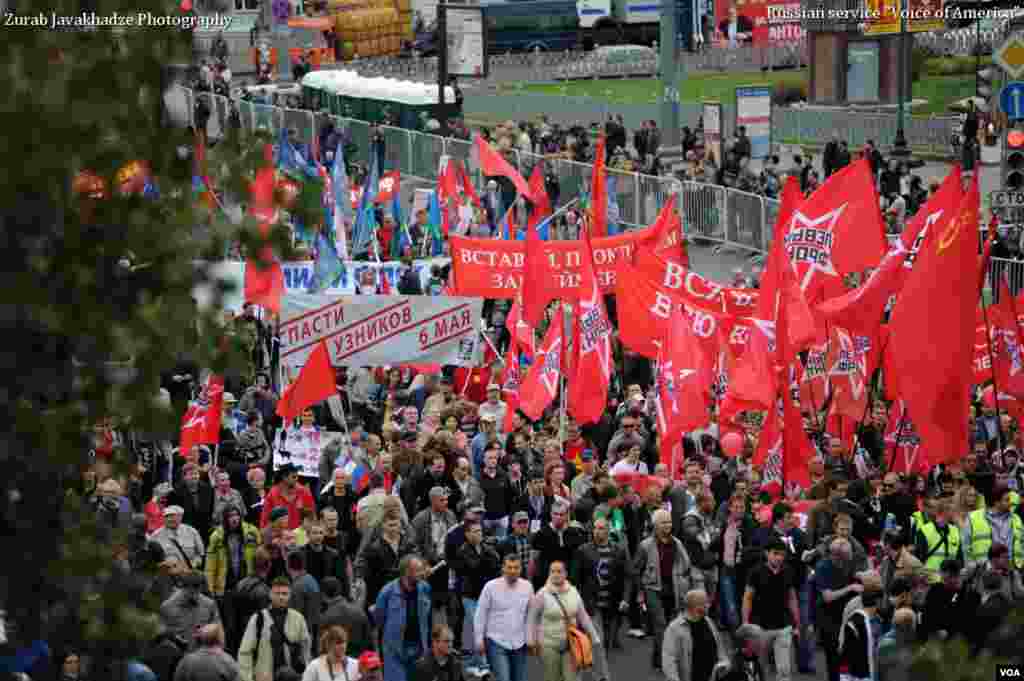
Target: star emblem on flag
{"points": [[850, 362], [810, 242], [552, 368], [595, 332]]}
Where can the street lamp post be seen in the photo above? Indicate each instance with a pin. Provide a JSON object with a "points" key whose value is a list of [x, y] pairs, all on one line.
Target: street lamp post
{"points": [[900, 148]]}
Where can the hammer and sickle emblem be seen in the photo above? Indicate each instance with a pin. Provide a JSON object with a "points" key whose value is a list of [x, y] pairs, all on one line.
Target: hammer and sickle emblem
{"points": [[950, 234]]}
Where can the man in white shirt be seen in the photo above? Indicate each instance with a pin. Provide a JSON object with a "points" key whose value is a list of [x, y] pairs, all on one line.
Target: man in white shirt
{"points": [[493, 406], [500, 622]]}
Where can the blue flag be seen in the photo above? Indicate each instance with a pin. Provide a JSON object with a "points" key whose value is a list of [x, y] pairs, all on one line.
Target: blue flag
{"points": [[434, 225], [291, 160], [613, 205], [342, 200], [328, 268], [400, 239], [366, 220]]}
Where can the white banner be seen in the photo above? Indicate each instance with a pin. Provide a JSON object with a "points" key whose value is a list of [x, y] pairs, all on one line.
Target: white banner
{"points": [[381, 330], [298, 276], [301, 446]]}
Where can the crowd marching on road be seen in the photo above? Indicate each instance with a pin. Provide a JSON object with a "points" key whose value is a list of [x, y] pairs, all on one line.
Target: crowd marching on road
{"points": [[447, 535]]}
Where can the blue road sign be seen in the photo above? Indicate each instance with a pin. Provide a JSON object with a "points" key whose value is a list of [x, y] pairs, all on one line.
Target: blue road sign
{"points": [[1011, 100]]}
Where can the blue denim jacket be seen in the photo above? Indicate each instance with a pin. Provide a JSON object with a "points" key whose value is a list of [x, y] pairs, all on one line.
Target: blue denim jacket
{"points": [[390, 616]]}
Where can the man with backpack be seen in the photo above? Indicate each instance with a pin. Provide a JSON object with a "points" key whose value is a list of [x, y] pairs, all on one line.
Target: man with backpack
{"points": [[251, 595], [276, 637]]}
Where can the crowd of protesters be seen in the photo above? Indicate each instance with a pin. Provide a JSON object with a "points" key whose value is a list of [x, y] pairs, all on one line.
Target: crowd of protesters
{"points": [[443, 537]]}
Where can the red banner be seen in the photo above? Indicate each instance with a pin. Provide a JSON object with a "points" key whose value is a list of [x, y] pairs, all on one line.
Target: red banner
{"points": [[493, 268], [694, 288]]}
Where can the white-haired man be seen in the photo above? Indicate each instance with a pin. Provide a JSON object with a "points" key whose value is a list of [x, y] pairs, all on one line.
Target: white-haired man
{"points": [[666, 574]]}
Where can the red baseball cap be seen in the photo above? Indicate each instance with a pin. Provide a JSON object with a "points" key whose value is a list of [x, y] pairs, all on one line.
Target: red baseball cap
{"points": [[369, 661]]}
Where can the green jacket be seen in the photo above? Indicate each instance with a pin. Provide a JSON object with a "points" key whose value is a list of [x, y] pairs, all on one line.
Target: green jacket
{"points": [[217, 557]]}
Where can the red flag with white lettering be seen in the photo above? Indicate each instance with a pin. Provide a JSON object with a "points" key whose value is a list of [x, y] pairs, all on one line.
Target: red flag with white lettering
{"points": [[201, 423], [684, 378], [388, 186], [903, 444], [847, 374], [588, 390], [509, 382], [522, 333], [540, 386]]}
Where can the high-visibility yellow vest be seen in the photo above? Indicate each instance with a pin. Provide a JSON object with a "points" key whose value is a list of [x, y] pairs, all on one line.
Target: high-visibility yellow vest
{"points": [[939, 550], [981, 538], [917, 521]]}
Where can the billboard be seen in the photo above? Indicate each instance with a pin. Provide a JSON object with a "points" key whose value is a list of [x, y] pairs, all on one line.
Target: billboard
{"points": [[881, 17], [757, 22], [754, 112]]}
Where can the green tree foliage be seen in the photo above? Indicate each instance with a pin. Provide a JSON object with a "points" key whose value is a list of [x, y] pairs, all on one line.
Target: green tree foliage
{"points": [[72, 314]]}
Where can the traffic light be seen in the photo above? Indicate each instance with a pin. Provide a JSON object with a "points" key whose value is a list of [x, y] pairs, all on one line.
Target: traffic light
{"points": [[1013, 160], [983, 82]]}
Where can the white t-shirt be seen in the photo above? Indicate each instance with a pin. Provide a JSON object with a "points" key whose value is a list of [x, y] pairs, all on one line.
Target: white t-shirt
{"points": [[319, 671], [625, 466]]}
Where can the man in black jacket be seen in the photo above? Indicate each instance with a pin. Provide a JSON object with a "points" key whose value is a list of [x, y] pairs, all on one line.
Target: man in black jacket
{"points": [[195, 497], [475, 564], [604, 579], [440, 664]]}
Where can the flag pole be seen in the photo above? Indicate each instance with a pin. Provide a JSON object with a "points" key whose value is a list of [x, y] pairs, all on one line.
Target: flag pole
{"points": [[562, 386], [992, 362]]}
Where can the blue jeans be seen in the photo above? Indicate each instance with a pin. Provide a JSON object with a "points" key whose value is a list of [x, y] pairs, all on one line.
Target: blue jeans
{"points": [[806, 648], [469, 635], [727, 604], [505, 664]]}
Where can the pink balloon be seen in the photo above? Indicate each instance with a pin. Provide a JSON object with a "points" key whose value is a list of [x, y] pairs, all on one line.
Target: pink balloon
{"points": [[732, 444]]}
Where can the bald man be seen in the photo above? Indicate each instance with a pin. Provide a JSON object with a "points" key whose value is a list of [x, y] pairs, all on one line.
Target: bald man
{"points": [[692, 646], [666, 574]]}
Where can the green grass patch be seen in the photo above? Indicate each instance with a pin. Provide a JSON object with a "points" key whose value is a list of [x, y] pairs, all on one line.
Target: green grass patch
{"points": [[939, 90]]}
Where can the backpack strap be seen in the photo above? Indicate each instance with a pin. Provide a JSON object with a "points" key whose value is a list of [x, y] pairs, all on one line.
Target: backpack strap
{"points": [[259, 638]]}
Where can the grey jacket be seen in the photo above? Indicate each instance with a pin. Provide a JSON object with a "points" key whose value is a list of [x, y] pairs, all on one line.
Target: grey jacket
{"points": [[677, 650], [179, 616], [421, 534], [685, 575], [207, 664]]}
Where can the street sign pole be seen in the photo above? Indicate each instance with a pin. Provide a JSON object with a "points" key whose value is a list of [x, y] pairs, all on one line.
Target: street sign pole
{"points": [[669, 62]]}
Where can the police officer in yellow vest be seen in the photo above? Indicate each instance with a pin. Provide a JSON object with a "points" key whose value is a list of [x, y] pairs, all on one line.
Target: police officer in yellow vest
{"points": [[938, 540], [919, 519], [996, 524]]}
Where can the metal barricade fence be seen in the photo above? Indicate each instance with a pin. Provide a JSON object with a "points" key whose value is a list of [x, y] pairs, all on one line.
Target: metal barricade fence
{"points": [[709, 211], [703, 210], [744, 213]]}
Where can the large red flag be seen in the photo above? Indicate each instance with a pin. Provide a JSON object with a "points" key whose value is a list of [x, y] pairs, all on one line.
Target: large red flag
{"points": [[752, 382], [683, 378], [837, 231], [537, 289], [467, 187], [862, 308], [1002, 317], [770, 282], [201, 423], [599, 192], [931, 333], [666, 235], [316, 382], [493, 163], [540, 386], [591, 377]]}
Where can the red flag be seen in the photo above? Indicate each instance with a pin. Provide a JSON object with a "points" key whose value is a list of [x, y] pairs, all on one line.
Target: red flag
{"points": [[521, 332], [801, 331], [783, 450], [903, 444], [467, 187], [984, 337], [541, 200], [931, 333], [666, 235], [814, 381], [315, 383], [862, 308], [509, 381], [986, 256], [797, 451], [599, 192], [683, 378], [492, 163], [540, 386], [1009, 363], [264, 278], [385, 284], [588, 390], [537, 289], [847, 374], [753, 381], [770, 283], [389, 185], [201, 423], [837, 231]]}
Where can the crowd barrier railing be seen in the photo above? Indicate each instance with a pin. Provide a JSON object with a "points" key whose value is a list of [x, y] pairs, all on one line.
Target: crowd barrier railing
{"points": [[732, 219]]}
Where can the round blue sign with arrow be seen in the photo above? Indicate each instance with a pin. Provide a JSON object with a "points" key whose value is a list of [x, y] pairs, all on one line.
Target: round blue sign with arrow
{"points": [[1011, 100]]}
